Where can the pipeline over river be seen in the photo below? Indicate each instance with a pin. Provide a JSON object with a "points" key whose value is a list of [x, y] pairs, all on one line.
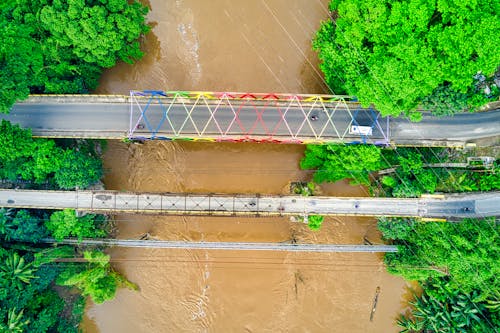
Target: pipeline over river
{"points": [[254, 246]]}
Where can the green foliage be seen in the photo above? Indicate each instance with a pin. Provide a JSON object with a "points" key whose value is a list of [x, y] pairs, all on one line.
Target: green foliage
{"points": [[62, 46], [412, 179], [337, 162], [467, 252], [457, 264], [494, 302], [396, 228], [78, 170], [467, 180], [98, 280], [389, 181], [15, 322], [445, 101], [29, 304], [38, 160], [65, 223], [15, 270], [315, 221], [415, 116], [444, 309], [49, 255], [20, 226], [396, 54], [304, 189]]}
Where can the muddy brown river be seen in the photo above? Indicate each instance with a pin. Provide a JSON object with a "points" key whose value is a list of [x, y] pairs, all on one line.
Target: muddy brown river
{"points": [[257, 46]]}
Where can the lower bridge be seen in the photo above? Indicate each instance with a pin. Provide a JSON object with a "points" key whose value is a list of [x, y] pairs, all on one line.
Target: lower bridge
{"points": [[234, 246], [474, 205]]}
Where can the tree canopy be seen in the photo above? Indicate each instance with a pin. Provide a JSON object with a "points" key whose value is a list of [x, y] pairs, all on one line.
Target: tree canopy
{"points": [[62, 46], [457, 265], [468, 253], [38, 160], [28, 271], [397, 54], [97, 280], [65, 223], [337, 161]]}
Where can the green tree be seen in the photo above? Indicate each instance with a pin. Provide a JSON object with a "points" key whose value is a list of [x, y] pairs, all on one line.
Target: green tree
{"points": [[15, 270], [78, 170], [444, 309], [45, 160], [21, 226], [39, 160], [62, 46], [396, 54], [337, 162], [65, 223], [98, 280], [401, 229], [467, 253], [15, 322], [28, 302], [15, 143], [315, 222]]}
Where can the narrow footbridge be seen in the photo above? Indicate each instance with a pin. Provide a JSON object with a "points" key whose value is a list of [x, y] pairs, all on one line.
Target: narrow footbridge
{"points": [[474, 205], [233, 246], [240, 117]]}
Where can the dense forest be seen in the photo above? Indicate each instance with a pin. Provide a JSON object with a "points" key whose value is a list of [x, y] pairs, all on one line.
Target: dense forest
{"points": [[458, 267], [398, 55], [53, 46], [38, 282], [67, 165]]}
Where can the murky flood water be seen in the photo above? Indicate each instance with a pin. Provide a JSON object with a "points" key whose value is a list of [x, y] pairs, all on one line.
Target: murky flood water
{"points": [[257, 46]]}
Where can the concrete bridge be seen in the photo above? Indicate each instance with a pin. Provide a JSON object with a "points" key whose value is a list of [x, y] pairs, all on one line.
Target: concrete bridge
{"points": [[236, 117], [473, 205]]}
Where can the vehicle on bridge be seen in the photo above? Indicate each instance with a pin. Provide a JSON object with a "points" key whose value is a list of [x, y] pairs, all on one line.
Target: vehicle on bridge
{"points": [[361, 130]]}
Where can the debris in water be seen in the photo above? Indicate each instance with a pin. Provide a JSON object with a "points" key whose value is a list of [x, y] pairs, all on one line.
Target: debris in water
{"points": [[375, 300]]}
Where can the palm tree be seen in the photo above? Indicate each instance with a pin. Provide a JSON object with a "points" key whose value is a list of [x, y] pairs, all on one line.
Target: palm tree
{"points": [[15, 322], [6, 227], [15, 269], [493, 303]]}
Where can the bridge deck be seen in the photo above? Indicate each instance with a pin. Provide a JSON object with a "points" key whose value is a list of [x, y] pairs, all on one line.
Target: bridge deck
{"points": [[239, 117], [471, 205]]}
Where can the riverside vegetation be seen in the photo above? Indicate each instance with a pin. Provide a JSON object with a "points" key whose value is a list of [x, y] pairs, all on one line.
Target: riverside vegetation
{"points": [[30, 272], [398, 55], [457, 264], [62, 46], [56, 47]]}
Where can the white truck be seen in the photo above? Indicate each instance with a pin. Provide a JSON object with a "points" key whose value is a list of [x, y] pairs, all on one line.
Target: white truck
{"points": [[360, 130]]}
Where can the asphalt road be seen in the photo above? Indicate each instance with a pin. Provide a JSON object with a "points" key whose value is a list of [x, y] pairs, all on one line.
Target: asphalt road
{"points": [[451, 206], [91, 117]]}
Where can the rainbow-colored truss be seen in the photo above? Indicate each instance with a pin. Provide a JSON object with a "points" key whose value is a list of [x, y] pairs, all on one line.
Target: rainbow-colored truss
{"points": [[240, 117]]}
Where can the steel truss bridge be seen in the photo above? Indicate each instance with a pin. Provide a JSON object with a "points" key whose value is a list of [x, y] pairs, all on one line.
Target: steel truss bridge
{"points": [[243, 117], [473, 205]]}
